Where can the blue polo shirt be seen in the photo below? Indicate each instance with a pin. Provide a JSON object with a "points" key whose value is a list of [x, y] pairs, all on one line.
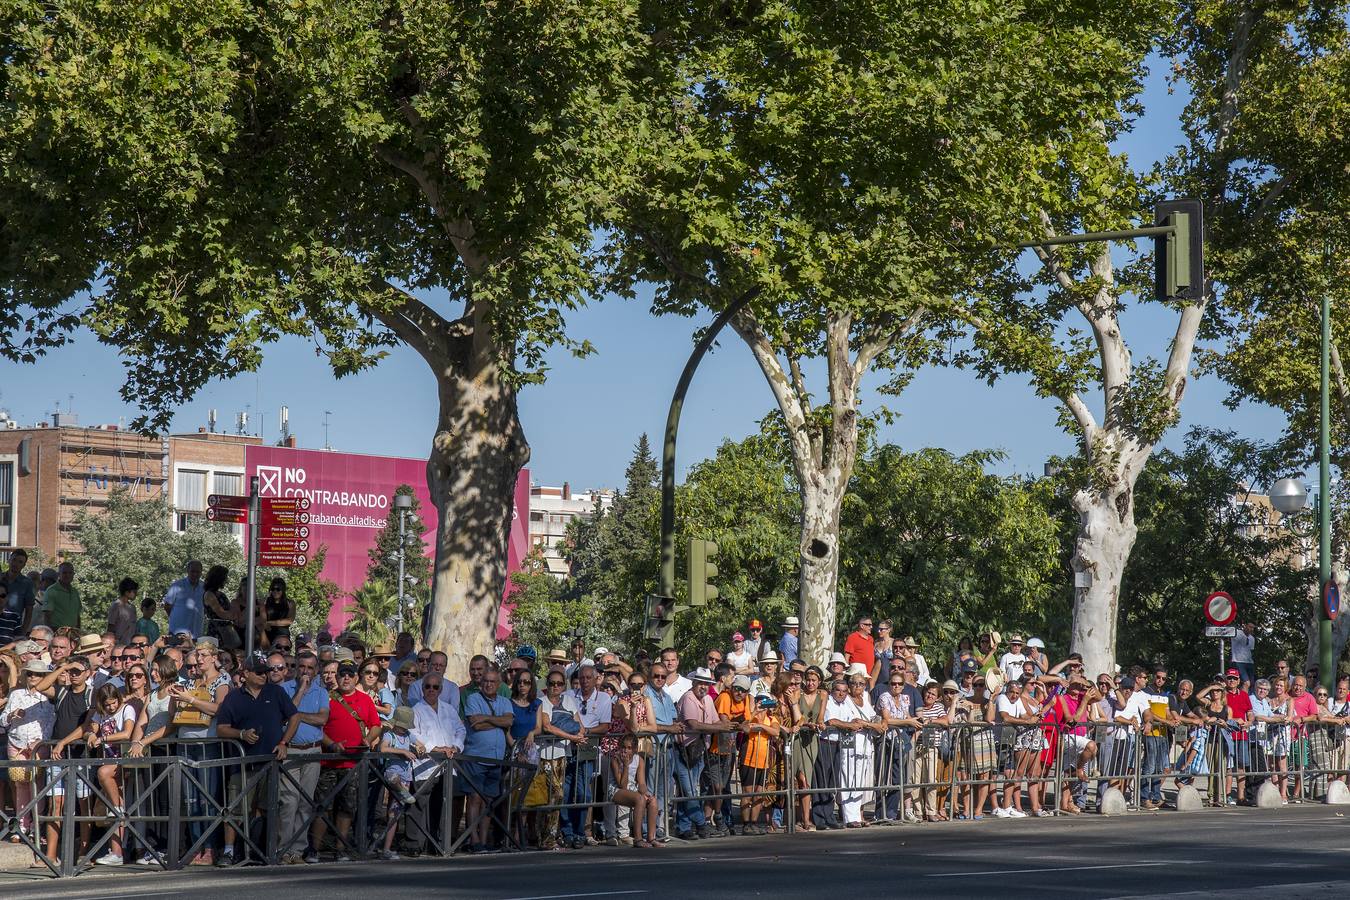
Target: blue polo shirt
{"points": [[663, 708], [490, 743], [314, 701], [268, 713]]}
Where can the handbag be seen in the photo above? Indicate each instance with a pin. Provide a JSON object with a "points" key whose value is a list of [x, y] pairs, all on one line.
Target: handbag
{"points": [[190, 715], [692, 753], [537, 793], [226, 634]]}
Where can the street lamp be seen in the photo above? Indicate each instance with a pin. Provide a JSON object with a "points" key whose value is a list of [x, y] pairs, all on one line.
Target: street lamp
{"points": [[403, 503], [1289, 497]]}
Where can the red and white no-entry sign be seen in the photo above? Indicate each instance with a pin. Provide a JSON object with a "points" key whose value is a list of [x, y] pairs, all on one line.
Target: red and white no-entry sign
{"points": [[1220, 608]]}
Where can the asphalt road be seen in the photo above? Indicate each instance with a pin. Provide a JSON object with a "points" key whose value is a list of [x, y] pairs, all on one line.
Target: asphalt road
{"points": [[1294, 852]]}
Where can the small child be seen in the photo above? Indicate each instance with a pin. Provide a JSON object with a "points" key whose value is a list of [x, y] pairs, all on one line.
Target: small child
{"points": [[399, 743], [146, 624]]}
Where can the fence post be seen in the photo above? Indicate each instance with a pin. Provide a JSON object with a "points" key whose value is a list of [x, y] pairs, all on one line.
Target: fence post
{"points": [[271, 836], [447, 788], [70, 782], [361, 826], [174, 850]]}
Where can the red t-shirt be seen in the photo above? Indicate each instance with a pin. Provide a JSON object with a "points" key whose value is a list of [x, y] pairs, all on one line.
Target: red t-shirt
{"points": [[1239, 704], [860, 649], [342, 729]]}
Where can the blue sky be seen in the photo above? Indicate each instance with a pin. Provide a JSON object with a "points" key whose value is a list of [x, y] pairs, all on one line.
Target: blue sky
{"points": [[583, 422]]}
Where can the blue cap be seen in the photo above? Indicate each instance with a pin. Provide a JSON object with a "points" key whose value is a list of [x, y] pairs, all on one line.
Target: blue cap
{"points": [[526, 652]]}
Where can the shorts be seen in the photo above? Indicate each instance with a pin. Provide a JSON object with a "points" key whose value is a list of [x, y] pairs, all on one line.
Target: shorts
{"points": [[1075, 745], [1239, 753], [479, 779], [257, 790], [753, 778], [717, 773], [345, 800], [1006, 760], [83, 775]]}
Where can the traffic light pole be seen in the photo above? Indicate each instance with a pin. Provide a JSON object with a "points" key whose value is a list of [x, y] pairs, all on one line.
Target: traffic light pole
{"points": [[667, 586], [1326, 669]]}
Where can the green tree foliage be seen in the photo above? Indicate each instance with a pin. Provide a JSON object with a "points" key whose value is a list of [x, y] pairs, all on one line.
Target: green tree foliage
{"points": [[1202, 529], [854, 163], [1265, 129], [134, 538], [313, 594], [217, 175], [946, 550], [374, 605], [547, 613], [417, 565]]}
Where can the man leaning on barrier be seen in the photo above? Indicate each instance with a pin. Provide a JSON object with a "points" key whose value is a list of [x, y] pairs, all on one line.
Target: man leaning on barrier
{"points": [[263, 717], [353, 726]]}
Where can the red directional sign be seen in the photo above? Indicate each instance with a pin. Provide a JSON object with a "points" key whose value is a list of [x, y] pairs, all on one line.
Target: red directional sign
{"points": [[284, 511], [282, 559], [1220, 608], [227, 508], [284, 536]]}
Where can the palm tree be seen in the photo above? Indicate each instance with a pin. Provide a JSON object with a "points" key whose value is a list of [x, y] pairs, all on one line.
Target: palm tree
{"points": [[374, 606]]}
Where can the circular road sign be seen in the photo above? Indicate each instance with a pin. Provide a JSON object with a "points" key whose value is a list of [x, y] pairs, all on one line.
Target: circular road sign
{"points": [[1331, 599], [1220, 608]]}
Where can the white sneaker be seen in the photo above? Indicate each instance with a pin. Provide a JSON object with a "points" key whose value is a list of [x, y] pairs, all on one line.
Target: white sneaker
{"points": [[148, 859], [1014, 813], [1001, 812], [1043, 813], [108, 859]]}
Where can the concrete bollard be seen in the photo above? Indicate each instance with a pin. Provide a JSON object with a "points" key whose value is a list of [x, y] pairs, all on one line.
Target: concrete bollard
{"points": [[1267, 796], [1188, 799], [1112, 803], [1337, 794]]}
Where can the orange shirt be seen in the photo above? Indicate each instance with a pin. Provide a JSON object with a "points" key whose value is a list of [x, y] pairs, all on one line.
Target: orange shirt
{"points": [[860, 648], [757, 743], [735, 712]]}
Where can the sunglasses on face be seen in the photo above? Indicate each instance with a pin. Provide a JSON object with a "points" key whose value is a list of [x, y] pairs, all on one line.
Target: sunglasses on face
{"points": [[431, 687], [635, 685], [897, 684], [284, 648], [557, 684], [407, 674], [370, 672], [136, 675], [276, 668]]}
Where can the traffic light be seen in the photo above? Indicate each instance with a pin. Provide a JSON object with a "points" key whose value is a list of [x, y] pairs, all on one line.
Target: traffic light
{"points": [[1179, 257], [660, 620], [701, 571]]}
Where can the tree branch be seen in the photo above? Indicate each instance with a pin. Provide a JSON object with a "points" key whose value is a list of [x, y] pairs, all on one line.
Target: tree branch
{"points": [[416, 324], [798, 382], [884, 341], [794, 417]]}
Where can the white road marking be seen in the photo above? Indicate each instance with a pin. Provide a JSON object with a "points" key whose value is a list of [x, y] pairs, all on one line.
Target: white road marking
{"points": [[1138, 865], [562, 896]]}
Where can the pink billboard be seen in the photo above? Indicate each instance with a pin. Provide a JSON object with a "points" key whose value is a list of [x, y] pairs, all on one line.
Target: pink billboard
{"points": [[350, 496]]}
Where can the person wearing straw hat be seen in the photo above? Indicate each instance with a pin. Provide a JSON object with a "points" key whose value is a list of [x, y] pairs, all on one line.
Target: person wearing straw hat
{"points": [[770, 666], [788, 643]]}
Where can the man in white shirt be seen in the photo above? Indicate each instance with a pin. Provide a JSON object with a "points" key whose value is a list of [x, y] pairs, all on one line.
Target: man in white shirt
{"points": [[1244, 642], [1127, 708], [676, 684], [438, 728], [1011, 662], [1012, 710], [594, 711], [183, 602]]}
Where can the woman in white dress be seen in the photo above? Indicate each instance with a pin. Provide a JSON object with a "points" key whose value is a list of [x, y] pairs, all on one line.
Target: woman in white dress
{"points": [[859, 723]]}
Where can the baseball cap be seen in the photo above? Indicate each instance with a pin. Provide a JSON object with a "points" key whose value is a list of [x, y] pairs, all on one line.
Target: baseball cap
{"points": [[1233, 673], [742, 682], [969, 665], [1126, 684], [738, 636], [1037, 643], [526, 652], [258, 665], [755, 623], [346, 668]]}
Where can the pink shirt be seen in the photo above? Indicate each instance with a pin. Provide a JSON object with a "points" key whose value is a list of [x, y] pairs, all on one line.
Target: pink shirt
{"points": [[692, 709], [1304, 704]]}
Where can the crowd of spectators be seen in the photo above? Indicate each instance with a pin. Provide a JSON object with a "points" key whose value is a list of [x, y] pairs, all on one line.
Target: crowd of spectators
{"points": [[589, 748]]}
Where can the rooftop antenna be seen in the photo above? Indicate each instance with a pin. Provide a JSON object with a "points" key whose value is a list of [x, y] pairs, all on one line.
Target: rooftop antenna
{"points": [[241, 423], [326, 414], [285, 425], [211, 420]]}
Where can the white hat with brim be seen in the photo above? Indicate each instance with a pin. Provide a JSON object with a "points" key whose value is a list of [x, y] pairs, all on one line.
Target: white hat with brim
{"points": [[792, 622], [993, 682], [769, 656], [701, 674], [856, 669], [837, 657]]}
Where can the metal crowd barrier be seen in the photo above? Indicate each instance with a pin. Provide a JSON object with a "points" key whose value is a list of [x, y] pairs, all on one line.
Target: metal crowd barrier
{"points": [[177, 800]]}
